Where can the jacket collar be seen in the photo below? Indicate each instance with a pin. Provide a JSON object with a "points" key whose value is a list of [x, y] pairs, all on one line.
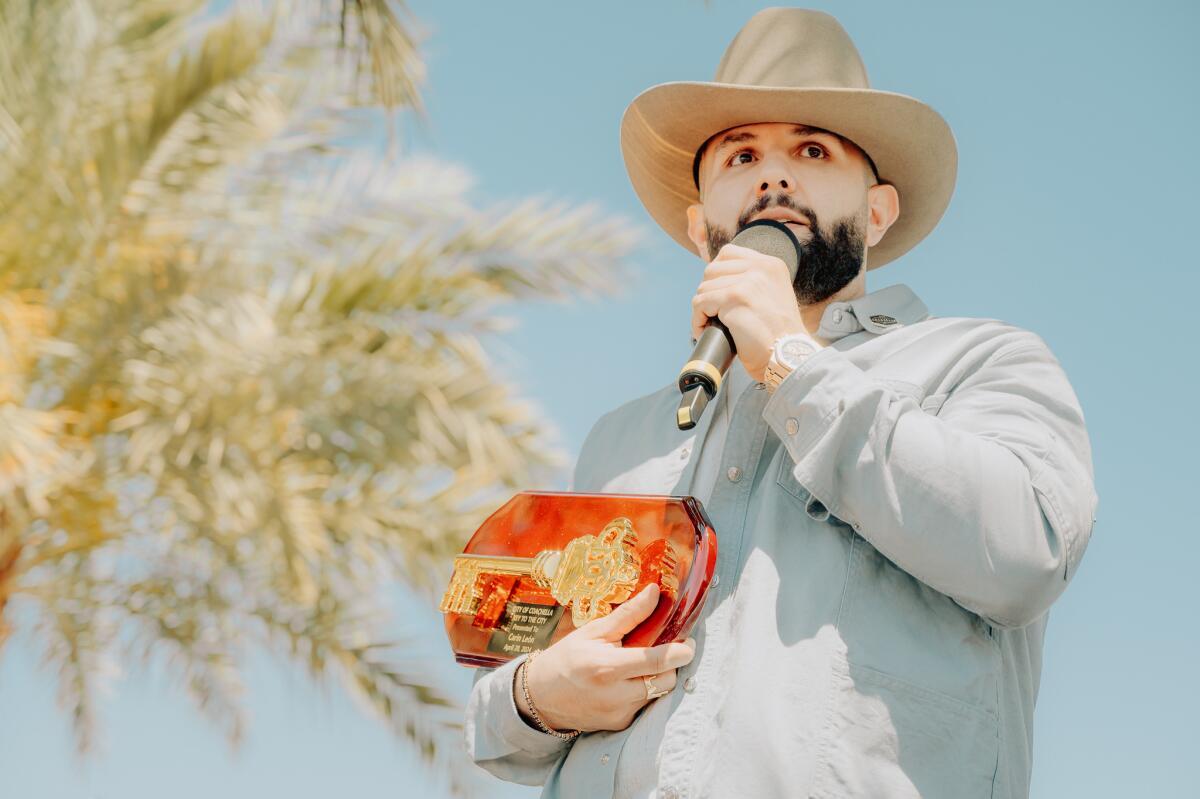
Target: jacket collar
{"points": [[878, 312]]}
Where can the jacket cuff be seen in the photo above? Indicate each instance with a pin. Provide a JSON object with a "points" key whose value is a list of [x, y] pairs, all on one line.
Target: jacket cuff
{"points": [[503, 718], [808, 402]]}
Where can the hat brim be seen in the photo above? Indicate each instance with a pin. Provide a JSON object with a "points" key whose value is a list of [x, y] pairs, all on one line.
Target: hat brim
{"points": [[912, 146]]}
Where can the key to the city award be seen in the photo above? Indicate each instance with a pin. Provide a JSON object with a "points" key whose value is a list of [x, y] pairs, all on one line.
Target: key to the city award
{"points": [[547, 563]]}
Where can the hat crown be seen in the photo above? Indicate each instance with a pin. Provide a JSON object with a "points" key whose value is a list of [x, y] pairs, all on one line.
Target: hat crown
{"points": [[793, 47]]}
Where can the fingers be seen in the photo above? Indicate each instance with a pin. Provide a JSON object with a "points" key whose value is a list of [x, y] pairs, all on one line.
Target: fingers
{"points": [[627, 615], [637, 685], [712, 304], [711, 301], [714, 283], [732, 259], [732, 253], [713, 296], [723, 294], [699, 322], [727, 263], [638, 661]]}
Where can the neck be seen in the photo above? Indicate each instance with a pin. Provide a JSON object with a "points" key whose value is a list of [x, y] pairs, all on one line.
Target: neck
{"points": [[811, 315]]}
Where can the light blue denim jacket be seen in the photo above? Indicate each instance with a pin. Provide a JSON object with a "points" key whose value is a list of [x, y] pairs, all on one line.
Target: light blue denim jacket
{"points": [[906, 508]]}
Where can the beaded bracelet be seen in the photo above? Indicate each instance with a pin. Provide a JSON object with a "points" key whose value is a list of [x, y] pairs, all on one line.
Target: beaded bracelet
{"points": [[565, 735]]}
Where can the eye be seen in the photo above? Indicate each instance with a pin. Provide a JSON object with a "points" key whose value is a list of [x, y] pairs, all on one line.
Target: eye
{"points": [[811, 148], [733, 159]]}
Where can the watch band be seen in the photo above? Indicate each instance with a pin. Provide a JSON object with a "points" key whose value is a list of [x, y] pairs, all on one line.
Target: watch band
{"points": [[779, 365], [774, 373]]}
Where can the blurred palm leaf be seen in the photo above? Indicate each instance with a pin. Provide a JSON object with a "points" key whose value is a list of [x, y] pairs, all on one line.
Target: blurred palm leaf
{"points": [[242, 379]]}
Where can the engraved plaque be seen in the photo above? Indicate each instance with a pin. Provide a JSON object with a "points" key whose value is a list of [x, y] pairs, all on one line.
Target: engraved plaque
{"points": [[524, 628]]}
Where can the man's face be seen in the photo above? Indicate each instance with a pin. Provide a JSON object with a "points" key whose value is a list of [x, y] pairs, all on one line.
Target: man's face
{"points": [[817, 184]]}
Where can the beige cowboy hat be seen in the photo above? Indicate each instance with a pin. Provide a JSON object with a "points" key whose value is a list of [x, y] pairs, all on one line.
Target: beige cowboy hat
{"points": [[798, 66]]}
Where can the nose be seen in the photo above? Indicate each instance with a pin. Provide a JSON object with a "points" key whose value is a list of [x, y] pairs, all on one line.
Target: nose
{"points": [[774, 175]]}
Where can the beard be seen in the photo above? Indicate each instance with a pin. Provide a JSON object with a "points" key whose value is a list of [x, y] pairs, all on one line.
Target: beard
{"points": [[830, 259]]}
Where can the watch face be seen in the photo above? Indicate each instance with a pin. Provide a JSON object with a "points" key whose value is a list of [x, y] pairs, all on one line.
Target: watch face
{"points": [[793, 351]]}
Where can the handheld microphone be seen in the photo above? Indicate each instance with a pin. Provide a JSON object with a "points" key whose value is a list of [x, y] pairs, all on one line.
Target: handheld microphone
{"points": [[701, 376]]}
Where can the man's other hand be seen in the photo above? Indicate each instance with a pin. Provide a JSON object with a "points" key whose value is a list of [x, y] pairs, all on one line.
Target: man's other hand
{"points": [[588, 681]]}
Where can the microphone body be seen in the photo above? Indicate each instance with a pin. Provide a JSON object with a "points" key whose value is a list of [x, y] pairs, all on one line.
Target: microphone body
{"points": [[704, 371]]}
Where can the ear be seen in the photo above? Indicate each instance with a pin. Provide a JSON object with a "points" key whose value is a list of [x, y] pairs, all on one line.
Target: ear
{"points": [[883, 209], [697, 231]]}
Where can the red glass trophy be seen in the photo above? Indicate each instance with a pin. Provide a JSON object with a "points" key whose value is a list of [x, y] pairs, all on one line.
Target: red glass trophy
{"points": [[546, 563]]}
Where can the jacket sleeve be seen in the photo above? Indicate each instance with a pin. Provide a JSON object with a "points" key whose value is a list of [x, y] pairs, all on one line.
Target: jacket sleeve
{"points": [[498, 739], [991, 501]]}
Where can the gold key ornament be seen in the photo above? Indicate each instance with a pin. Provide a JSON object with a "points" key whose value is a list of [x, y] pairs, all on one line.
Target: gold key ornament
{"points": [[590, 574]]}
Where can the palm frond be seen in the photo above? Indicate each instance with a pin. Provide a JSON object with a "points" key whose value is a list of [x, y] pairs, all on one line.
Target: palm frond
{"points": [[386, 48], [243, 377]]}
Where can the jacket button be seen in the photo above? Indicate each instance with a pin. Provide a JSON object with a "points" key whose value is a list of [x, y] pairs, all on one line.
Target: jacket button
{"points": [[734, 474], [837, 316], [792, 426], [716, 579], [669, 793], [604, 760], [689, 684]]}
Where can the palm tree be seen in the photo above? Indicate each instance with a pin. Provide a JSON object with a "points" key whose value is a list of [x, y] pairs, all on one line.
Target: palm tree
{"points": [[242, 376]]}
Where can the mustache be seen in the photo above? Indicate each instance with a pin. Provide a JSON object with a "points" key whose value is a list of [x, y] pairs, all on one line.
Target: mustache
{"points": [[780, 200]]}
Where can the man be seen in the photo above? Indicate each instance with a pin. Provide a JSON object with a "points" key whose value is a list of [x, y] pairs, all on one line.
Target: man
{"points": [[898, 498]]}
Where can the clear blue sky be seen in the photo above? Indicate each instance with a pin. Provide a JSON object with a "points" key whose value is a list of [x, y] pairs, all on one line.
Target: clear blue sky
{"points": [[1073, 217]]}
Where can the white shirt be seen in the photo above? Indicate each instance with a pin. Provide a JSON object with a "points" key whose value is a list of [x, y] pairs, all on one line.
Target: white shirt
{"points": [[638, 767], [737, 379]]}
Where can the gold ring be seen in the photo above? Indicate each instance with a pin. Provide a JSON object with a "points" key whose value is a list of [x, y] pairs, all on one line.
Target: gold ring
{"points": [[651, 691]]}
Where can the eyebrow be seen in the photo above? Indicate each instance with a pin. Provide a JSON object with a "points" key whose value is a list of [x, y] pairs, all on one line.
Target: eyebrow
{"points": [[798, 130], [804, 130], [732, 138], [747, 136]]}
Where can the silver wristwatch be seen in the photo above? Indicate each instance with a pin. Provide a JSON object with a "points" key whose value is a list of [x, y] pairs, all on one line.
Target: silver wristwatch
{"points": [[787, 353]]}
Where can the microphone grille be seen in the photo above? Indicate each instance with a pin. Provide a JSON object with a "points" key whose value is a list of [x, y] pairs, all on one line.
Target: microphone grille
{"points": [[771, 237]]}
